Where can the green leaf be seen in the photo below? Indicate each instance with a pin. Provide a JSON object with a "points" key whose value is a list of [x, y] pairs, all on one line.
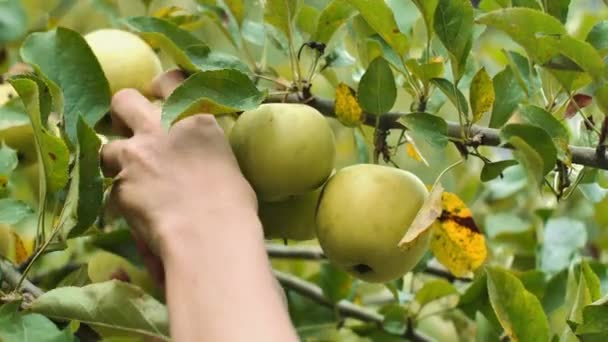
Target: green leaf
{"points": [[425, 72], [592, 280], [431, 128], [85, 195], [333, 16], [524, 73], [539, 117], [335, 283], [530, 160], [598, 37], [8, 163], [64, 57], [377, 91], [595, 318], [13, 21], [558, 9], [237, 8], [427, 9], [518, 311], [454, 27], [508, 95], [526, 3], [535, 137], [115, 307], [51, 150], [453, 93], [567, 53], [380, 18], [119, 242], [562, 239], [481, 94], [12, 211], [524, 26], [493, 170], [434, 290], [17, 326], [307, 19], [172, 39], [213, 92], [281, 15], [205, 59]]}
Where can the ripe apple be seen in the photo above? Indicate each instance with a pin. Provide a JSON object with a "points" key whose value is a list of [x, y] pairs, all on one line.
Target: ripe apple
{"points": [[283, 149], [293, 218], [126, 60], [363, 213]]}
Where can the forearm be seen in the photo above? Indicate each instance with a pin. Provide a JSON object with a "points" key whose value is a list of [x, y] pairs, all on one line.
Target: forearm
{"points": [[219, 283]]}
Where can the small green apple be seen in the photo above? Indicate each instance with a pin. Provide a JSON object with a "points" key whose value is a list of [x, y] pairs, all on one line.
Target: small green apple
{"points": [[363, 213], [127, 60], [293, 218], [283, 149]]}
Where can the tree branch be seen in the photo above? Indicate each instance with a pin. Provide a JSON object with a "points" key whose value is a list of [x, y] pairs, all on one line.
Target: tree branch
{"points": [[314, 293], [314, 253], [345, 308], [488, 136], [12, 277]]}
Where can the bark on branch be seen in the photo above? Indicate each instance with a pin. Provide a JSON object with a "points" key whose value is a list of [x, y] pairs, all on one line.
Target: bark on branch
{"points": [[9, 273], [488, 136]]}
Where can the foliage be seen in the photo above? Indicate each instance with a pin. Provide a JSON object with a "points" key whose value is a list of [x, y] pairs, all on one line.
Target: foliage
{"points": [[430, 86]]}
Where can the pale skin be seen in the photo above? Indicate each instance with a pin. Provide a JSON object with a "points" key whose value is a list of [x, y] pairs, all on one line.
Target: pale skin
{"points": [[195, 214]]}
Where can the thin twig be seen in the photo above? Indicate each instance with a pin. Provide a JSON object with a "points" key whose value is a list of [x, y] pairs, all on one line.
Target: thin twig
{"points": [[13, 277]]}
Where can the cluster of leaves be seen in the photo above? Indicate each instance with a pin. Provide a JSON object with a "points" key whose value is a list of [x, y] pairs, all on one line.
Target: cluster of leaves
{"points": [[514, 66]]}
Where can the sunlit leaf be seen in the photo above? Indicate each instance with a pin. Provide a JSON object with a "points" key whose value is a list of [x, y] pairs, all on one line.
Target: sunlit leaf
{"points": [[114, 307], [429, 212], [380, 18], [518, 310], [213, 92], [333, 16], [481, 94], [457, 242]]}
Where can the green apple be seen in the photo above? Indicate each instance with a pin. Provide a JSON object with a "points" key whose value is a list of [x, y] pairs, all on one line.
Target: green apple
{"points": [[283, 149], [127, 60], [363, 213], [293, 218], [7, 92], [226, 122]]}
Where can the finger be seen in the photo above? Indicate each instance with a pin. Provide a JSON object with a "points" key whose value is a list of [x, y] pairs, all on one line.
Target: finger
{"points": [[133, 113], [164, 84], [111, 157]]}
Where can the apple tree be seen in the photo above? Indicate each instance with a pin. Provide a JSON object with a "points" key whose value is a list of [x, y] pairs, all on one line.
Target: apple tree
{"points": [[426, 170]]}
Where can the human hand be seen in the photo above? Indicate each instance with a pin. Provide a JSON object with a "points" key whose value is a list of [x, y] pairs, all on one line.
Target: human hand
{"points": [[162, 178]]}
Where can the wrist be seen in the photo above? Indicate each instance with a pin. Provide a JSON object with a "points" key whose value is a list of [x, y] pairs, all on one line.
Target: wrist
{"points": [[206, 232]]}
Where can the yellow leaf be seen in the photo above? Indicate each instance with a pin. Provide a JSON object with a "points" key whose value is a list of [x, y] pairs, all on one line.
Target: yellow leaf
{"points": [[482, 94], [348, 110], [457, 242], [21, 252], [414, 153], [430, 211], [167, 11]]}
